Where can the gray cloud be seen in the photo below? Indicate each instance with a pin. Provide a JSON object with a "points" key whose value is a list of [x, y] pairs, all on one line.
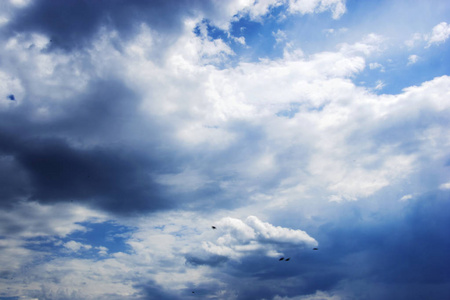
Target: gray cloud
{"points": [[73, 24]]}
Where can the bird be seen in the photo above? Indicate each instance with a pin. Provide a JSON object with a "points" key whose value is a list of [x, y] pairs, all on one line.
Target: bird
{"points": [[11, 97], [213, 227], [281, 258], [287, 259], [193, 292], [315, 248]]}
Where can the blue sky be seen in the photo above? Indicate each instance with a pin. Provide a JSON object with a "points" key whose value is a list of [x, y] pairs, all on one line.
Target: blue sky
{"points": [[129, 128]]}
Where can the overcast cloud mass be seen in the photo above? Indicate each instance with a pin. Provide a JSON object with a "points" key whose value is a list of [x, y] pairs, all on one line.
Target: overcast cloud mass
{"points": [[180, 149]]}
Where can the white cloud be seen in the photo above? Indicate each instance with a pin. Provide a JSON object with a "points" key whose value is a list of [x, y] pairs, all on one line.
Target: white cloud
{"points": [[406, 197], [370, 44], [337, 7], [226, 10], [440, 34], [240, 40], [20, 3], [376, 65], [412, 59], [102, 250], [239, 238], [379, 85], [415, 39], [76, 246], [331, 109], [445, 186], [280, 36]]}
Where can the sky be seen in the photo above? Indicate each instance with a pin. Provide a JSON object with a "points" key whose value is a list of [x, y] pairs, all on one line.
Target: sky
{"points": [[129, 128]]}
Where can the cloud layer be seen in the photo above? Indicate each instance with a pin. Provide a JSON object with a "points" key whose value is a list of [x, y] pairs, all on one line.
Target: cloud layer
{"points": [[127, 130]]}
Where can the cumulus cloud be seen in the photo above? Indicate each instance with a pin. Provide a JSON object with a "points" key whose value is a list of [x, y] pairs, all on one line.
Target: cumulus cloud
{"points": [[440, 34], [239, 238]]}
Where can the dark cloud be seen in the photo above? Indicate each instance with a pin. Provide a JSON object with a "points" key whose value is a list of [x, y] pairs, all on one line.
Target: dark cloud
{"points": [[396, 254], [152, 291], [44, 164], [72, 24], [213, 260], [114, 179]]}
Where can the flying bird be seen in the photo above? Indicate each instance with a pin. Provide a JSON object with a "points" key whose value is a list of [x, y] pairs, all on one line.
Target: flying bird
{"points": [[315, 248], [281, 258], [11, 97], [287, 259], [213, 227]]}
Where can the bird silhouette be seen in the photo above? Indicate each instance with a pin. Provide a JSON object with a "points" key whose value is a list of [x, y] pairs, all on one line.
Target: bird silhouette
{"points": [[281, 258], [315, 248], [287, 259], [213, 227]]}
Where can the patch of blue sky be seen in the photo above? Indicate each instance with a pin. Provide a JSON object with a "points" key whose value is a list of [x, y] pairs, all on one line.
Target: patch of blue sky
{"points": [[260, 41], [98, 235], [398, 71], [106, 234], [290, 112], [394, 19], [295, 107]]}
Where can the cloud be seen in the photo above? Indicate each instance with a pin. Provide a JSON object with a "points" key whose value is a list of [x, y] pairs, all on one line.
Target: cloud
{"points": [[440, 34], [159, 118], [76, 246], [280, 36], [337, 7], [445, 186], [406, 197], [78, 136], [375, 65], [239, 238], [319, 295], [379, 86], [31, 219], [416, 38], [412, 59], [60, 23]]}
